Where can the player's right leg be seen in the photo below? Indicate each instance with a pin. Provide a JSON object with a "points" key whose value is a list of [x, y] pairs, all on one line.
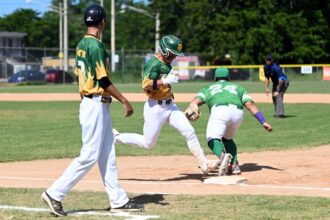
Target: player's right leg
{"points": [[216, 129], [155, 117], [91, 119]]}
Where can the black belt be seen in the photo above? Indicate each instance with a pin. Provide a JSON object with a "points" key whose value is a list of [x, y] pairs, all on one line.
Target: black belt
{"points": [[167, 102], [103, 99]]}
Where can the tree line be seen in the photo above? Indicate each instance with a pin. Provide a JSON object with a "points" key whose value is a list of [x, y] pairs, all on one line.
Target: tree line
{"points": [[294, 31]]}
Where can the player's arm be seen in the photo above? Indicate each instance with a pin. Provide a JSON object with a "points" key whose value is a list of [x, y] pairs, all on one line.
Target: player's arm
{"points": [[108, 87], [254, 110], [267, 85], [193, 112], [154, 83], [197, 101], [266, 81]]}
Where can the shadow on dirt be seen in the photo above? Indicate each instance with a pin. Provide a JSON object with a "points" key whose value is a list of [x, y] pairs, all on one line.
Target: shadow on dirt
{"points": [[250, 167], [182, 176]]}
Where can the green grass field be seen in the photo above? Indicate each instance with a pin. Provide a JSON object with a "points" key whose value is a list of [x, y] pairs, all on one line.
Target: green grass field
{"points": [[42, 130], [176, 206], [193, 87]]}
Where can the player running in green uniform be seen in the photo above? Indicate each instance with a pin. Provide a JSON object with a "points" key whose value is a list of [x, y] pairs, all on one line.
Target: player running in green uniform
{"points": [[225, 101]]}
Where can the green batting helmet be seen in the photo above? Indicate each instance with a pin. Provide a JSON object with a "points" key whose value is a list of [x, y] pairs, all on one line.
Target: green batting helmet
{"points": [[221, 72], [171, 44]]}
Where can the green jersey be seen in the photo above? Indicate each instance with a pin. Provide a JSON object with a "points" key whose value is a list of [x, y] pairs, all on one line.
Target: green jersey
{"points": [[92, 64], [223, 92], [155, 69]]}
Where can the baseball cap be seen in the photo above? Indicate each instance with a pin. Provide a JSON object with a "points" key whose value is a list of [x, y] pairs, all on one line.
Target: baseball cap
{"points": [[221, 72], [269, 57]]}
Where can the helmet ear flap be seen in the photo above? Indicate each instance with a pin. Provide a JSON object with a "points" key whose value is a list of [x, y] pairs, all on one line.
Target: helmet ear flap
{"points": [[164, 52]]}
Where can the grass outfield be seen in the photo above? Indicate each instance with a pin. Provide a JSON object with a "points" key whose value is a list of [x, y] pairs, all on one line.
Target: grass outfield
{"points": [[42, 130], [192, 87], [175, 206]]}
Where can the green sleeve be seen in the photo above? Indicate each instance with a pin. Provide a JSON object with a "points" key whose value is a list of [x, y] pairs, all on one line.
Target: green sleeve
{"points": [[245, 97], [202, 95], [152, 73]]}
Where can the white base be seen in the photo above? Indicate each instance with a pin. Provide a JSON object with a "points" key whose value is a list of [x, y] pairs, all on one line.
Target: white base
{"points": [[225, 180]]}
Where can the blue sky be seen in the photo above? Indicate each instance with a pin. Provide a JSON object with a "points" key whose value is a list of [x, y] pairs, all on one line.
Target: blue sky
{"points": [[9, 6]]}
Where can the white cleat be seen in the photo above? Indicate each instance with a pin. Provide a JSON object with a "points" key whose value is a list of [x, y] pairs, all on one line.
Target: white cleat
{"points": [[211, 166], [115, 132], [225, 164]]}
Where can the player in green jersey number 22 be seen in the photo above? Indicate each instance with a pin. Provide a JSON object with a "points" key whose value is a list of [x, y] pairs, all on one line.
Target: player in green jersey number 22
{"points": [[225, 101]]}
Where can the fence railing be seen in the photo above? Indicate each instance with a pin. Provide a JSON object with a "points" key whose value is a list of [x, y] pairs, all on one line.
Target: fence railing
{"points": [[129, 65]]}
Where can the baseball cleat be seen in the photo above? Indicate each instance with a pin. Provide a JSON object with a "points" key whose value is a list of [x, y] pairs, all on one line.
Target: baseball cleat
{"points": [[55, 206], [234, 169], [225, 164], [115, 132], [130, 206], [211, 166]]}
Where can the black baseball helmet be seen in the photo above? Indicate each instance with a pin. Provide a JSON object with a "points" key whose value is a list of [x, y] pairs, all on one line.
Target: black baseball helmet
{"points": [[94, 14]]}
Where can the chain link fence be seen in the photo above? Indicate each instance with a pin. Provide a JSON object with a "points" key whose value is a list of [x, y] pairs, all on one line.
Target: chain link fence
{"points": [[129, 65]]}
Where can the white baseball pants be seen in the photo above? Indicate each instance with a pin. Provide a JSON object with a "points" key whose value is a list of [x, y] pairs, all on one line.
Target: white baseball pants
{"points": [[224, 121], [155, 116], [98, 146]]}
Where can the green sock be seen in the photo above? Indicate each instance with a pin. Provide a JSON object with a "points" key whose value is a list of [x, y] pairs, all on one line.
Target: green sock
{"points": [[231, 148], [216, 147]]}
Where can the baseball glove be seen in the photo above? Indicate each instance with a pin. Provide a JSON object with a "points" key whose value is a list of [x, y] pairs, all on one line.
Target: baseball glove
{"points": [[192, 112]]}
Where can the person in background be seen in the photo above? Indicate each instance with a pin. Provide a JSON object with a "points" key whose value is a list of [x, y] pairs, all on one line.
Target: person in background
{"points": [[280, 81]]}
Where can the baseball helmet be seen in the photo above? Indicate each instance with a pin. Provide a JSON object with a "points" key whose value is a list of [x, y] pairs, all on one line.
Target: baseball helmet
{"points": [[221, 72], [93, 15], [171, 44]]}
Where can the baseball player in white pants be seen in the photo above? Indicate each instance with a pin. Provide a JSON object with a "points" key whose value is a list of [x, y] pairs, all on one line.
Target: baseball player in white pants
{"points": [[159, 108], [93, 73]]}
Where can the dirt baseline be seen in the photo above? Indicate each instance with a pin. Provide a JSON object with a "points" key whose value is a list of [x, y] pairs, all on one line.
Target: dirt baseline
{"points": [[292, 172]]}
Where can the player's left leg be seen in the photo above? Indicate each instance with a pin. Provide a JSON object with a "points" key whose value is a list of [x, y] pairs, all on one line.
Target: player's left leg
{"points": [[279, 104], [155, 116], [236, 118], [91, 119], [179, 121]]}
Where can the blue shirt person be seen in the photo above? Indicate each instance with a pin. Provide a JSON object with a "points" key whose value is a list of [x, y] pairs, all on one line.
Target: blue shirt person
{"points": [[280, 82]]}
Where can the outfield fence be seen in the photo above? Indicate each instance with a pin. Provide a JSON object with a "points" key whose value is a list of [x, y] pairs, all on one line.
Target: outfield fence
{"points": [[129, 65]]}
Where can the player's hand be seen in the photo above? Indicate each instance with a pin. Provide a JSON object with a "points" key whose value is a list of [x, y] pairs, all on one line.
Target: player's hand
{"points": [[275, 94], [267, 126], [171, 78], [128, 110]]}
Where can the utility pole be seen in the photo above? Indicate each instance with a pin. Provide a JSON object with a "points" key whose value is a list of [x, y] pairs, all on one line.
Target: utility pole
{"points": [[65, 11], [102, 5], [113, 46], [60, 55], [157, 32]]}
